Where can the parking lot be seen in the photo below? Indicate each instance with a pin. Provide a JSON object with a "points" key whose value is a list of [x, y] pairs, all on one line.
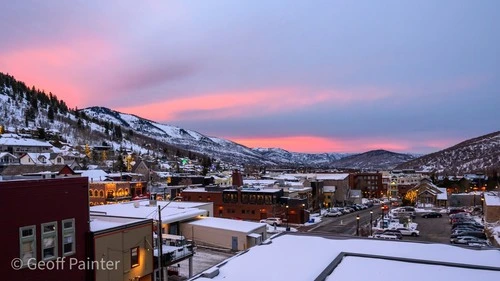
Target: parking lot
{"points": [[433, 229]]}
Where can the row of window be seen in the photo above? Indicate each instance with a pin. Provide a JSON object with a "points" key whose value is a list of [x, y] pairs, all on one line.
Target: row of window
{"points": [[250, 199], [49, 240], [111, 193]]}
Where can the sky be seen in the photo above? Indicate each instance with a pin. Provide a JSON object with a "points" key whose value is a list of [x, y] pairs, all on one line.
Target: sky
{"points": [[306, 76]]}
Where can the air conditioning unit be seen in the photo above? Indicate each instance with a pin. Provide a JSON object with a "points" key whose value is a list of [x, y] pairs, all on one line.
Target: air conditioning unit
{"points": [[136, 204]]}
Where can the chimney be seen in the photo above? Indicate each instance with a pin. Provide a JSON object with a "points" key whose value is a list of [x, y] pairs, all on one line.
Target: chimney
{"points": [[237, 178]]}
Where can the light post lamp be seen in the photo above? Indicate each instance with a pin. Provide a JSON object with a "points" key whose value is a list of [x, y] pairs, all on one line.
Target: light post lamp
{"points": [[371, 222], [382, 219], [482, 205], [357, 225], [160, 242], [287, 228]]}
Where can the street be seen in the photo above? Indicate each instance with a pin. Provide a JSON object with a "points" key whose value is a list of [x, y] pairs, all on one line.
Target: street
{"points": [[346, 224]]}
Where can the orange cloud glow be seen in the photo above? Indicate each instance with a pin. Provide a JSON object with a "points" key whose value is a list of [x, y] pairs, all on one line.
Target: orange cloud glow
{"points": [[312, 144]]}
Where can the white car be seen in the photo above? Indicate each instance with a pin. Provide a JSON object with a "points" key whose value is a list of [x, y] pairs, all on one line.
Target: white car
{"points": [[388, 236], [332, 213], [409, 232], [272, 221]]}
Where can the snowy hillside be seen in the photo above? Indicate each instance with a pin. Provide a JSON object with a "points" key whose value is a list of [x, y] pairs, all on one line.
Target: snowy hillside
{"points": [[474, 155], [279, 155], [374, 160], [186, 139]]}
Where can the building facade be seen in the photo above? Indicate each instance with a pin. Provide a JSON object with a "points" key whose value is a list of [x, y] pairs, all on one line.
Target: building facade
{"points": [[44, 221]]}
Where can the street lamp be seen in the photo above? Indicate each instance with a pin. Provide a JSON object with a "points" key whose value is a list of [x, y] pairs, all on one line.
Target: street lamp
{"points": [[357, 225], [382, 219], [160, 242], [287, 228], [371, 222]]}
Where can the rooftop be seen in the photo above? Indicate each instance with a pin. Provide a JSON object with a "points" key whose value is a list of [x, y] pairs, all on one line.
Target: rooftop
{"points": [[99, 223], [336, 258], [175, 211], [228, 224], [492, 198]]}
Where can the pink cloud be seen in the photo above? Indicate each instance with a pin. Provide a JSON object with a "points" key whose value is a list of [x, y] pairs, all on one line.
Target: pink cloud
{"points": [[61, 68], [246, 103]]}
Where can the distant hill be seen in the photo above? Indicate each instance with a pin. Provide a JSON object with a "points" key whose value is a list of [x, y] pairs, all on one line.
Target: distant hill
{"points": [[474, 155], [374, 160]]}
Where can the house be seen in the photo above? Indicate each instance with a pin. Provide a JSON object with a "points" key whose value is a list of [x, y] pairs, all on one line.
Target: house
{"points": [[140, 167], [124, 243], [297, 256], [428, 193], [44, 221], [7, 158], [18, 145], [41, 159]]}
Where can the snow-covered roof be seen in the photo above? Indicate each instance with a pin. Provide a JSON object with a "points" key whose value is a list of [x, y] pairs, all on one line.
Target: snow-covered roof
{"points": [[93, 175], [174, 212], [3, 154], [318, 253], [332, 176], [492, 198], [98, 223], [259, 182], [18, 141], [443, 195], [197, 189], [228, 224]]}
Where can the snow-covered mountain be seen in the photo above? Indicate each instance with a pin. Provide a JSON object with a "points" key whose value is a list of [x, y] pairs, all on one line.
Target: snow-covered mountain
{"points": [[474, 155], [282, 156], [374, 159], [179, 137]]}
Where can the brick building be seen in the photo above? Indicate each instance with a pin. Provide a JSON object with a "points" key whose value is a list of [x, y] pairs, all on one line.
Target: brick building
{"points": [[43, 221]]}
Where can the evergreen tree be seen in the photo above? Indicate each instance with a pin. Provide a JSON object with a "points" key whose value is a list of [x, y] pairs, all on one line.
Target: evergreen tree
{"points": [[50, 114], [41, 133]]}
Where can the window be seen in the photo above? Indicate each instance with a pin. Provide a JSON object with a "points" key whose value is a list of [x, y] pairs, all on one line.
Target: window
{"points": [[68, 232], [49, 241], [91, 194], [27, 243], [134, 257]]}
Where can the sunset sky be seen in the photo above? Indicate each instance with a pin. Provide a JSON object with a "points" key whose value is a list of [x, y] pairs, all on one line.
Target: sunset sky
{"points": [[306, 76]]}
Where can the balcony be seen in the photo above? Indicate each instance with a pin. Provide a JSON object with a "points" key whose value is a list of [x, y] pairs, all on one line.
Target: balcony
{"points": [[174, 249]]}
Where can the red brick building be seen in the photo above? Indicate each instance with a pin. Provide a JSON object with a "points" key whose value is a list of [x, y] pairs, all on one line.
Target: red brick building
{"points": [[44, 221], [370, 184], [249, 203]]}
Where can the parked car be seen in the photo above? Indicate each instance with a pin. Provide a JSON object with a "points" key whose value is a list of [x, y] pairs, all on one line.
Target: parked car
{"points": [[332, 213], [466, 240], [468, 228], [272, 221], [393, 232], [432, 215], [455, 211], [477, 234], [467, 223], [408, 232], [389, 236]]}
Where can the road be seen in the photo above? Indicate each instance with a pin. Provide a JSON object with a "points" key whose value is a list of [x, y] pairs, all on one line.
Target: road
{"points": [[431, 230], [346, 224]]}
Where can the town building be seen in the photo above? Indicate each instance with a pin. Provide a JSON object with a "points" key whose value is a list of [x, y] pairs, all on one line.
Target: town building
{"points": [[491, 206], [370, 184], [125, 244], [44, 221]]}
